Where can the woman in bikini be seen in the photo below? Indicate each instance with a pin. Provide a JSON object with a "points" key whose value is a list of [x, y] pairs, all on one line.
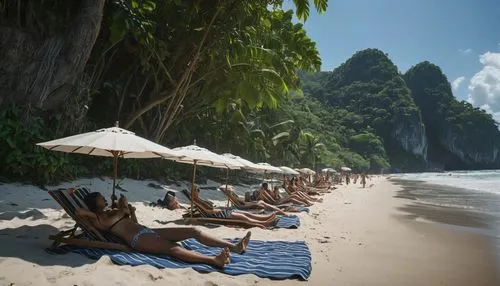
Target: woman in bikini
{"points": [[294, 189], [241, 204], [233, 213], [268, 196], [123, 223]]}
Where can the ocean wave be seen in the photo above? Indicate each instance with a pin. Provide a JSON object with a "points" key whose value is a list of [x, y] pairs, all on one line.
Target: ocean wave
{"points": [[485, 181]]}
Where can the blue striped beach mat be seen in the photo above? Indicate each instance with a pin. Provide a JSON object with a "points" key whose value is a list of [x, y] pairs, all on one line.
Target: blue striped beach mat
{"points": [[290, 221], [266, 259]]}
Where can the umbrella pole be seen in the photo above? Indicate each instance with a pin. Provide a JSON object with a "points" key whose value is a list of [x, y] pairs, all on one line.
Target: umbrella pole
{"points": [[227, 182], [115, 174], [193, 186]]}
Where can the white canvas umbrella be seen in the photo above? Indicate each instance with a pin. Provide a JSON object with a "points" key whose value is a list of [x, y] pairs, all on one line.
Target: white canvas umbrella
{"points": [[199, 156], [266, 168], [306, 171], [288, 171], [196, 155], [346, 169], [247, 165], [110, 142], [329, 170], [269, 169]]}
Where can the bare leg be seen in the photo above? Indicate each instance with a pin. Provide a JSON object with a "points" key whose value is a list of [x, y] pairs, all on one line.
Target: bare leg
{"points": [[243, 217], [267, 206], [155, 245], [257, 216], [182, 233], [295, 201]]}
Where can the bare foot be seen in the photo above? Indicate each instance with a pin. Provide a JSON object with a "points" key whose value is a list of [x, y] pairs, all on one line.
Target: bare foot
{"points": [[241, 246], [222, 258]]}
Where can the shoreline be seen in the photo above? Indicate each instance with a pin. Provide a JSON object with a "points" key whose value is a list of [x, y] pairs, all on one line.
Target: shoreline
{"points": [[356, 237], [396, 249]]}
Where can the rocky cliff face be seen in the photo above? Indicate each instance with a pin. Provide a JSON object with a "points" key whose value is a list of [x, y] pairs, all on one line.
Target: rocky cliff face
{"points": [[369, 84], [411, 135], [420, 121], [455, 129], [469, 153]]}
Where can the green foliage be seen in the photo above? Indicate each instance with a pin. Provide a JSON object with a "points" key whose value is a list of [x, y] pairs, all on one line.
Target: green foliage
{"points": [[473, 132], [21, 158]]}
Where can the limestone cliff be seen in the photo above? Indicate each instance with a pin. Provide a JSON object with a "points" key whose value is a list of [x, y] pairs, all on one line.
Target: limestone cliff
{"points": [[468, 136]]}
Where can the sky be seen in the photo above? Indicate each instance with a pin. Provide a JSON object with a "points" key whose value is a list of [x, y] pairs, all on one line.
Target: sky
{"points": [[460, 36]]}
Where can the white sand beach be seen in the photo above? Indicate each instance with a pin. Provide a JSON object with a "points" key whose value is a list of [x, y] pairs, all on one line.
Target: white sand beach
{"points": [[356, 237]]}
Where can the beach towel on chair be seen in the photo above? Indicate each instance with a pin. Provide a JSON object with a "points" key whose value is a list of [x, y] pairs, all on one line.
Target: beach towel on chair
{"points": [[266, 259]]}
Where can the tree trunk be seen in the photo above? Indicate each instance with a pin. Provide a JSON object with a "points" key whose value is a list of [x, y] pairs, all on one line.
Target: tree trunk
{"points": [[42, 73]]}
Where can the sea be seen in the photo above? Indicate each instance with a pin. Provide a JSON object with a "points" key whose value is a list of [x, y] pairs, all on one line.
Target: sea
{"points": [[470, 200]]}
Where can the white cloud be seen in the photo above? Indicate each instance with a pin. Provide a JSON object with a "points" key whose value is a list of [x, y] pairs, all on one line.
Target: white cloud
{"points": [[457, 82], [465, 51], [484, 86]]}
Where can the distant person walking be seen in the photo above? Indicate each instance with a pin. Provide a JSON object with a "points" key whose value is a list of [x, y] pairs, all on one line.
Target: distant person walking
{"points": [[363, 179], [347, 178]]}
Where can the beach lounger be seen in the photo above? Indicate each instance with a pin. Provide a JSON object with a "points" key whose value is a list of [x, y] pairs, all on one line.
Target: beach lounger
{"points": [[235, 201], [273, 259], [282, 221], [88, 236]]}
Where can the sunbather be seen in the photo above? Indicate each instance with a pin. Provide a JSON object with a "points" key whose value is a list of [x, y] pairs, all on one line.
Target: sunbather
{"points": [[241, 204], [268, 196], [123, 223], [294, 190], [169, 201], [231, 213], [304, 186]]}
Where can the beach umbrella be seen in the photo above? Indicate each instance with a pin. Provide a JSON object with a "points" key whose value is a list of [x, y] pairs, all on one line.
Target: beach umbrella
{"points": [[267, 168], [346, 169], [110, 142], [329, 170], [247, 165], [306, 171], [198, 156], [288, 171]]}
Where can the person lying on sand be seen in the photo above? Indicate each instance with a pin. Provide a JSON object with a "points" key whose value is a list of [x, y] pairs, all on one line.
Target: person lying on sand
{"points": [[122, 222], [170, 201], [232, 213]]}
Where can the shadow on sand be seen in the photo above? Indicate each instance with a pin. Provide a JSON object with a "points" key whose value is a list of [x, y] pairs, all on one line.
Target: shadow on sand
{"points": [[29, 243]]}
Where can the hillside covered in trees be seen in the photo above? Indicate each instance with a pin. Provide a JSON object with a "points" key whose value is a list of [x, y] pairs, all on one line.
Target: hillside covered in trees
{"points": [[414, 116], [236, 76]]}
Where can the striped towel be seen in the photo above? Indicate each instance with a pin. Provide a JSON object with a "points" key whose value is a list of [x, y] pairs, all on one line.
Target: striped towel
{"points": [[266, 259], [291, 221]]}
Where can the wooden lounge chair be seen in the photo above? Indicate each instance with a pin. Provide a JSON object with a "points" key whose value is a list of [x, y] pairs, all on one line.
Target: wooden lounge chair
{"points": [[204, 217], [88, 236], [235, 201]]}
